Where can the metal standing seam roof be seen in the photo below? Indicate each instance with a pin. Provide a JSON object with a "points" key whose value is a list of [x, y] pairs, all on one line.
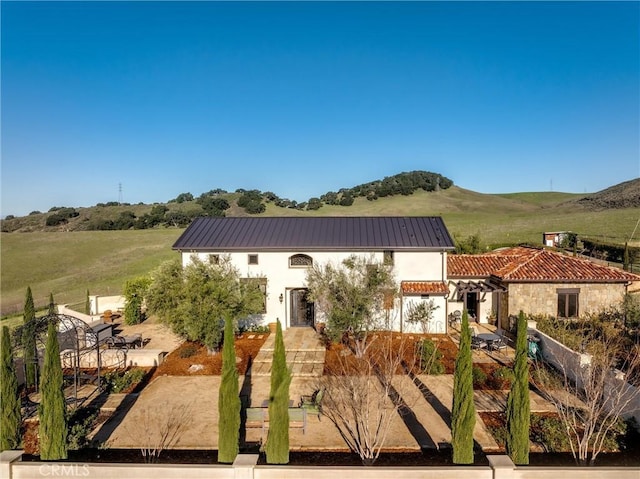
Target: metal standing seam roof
{"points": [[316, 233]]}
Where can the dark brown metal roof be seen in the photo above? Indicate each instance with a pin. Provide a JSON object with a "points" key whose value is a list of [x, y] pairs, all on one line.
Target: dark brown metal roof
{"points": [[316, 233]]}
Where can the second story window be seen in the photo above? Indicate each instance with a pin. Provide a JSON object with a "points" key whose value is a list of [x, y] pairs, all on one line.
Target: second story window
{"points": [[253, 259], [387, 257], [300, 261]]}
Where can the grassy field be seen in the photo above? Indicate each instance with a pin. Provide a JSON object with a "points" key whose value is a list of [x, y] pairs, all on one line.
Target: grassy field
{"points": [[69, 263]]}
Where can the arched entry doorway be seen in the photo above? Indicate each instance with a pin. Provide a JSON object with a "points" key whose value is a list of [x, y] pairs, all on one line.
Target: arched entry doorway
{"points": [[301, 309]]}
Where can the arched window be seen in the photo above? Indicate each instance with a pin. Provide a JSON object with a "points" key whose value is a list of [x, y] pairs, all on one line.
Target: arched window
{"points": [[300, 261]]}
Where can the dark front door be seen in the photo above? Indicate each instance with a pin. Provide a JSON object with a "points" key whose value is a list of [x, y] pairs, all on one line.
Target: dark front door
{"points": [[301, 308], [472, 306]]}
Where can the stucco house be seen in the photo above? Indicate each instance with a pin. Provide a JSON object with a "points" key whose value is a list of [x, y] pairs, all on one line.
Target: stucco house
{"points": [[279, 251], [499, 284]]}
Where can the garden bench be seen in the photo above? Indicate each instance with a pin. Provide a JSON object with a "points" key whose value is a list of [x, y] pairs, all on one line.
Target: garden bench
{"points": [[313, 403], [258, 417]]}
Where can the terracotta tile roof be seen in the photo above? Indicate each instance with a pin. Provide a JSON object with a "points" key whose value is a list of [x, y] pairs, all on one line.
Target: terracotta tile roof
{"points": [[424, 287], [534, 264], [475, 265]]}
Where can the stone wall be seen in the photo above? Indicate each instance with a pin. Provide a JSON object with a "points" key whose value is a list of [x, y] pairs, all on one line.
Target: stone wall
{"points": [[542, 298]]}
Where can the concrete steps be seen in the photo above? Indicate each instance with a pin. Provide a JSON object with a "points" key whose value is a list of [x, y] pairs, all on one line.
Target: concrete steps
{"points": [[304, 353]]}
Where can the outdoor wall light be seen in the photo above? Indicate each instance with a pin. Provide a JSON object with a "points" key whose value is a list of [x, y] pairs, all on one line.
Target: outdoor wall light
{"points": [[281, 298]]}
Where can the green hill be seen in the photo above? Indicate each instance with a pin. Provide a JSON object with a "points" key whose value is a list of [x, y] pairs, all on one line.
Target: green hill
{"points": [[67, 259]]}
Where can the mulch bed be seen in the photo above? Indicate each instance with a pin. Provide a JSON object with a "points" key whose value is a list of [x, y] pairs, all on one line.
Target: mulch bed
{"points": [[189, 353], [339, 358]]}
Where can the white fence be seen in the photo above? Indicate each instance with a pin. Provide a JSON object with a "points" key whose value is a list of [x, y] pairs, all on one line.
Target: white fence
{"points": [[245, 467]]}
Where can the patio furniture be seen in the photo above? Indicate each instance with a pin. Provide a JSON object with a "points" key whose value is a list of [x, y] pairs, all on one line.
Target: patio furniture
{"points": [[313, 403], [256, 418], [498, 344], [477, 342], [455, 318], [120, 342]]}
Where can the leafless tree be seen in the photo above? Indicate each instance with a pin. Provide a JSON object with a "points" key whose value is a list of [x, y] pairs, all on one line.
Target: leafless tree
{"points": [[590, 389], [363, 395], [157, 429]]}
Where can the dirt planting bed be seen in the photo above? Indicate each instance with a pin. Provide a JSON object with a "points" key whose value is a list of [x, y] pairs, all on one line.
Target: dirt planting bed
{"points": [[193, 358], [339, 358]]}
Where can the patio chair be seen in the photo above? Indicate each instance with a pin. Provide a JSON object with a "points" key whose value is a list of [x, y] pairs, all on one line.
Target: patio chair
{"points": [[498, 344], [455, 318], [313, 403], [476, 342]]}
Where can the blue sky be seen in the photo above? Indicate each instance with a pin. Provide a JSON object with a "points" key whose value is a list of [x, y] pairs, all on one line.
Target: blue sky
{"points": [[301, 98]]}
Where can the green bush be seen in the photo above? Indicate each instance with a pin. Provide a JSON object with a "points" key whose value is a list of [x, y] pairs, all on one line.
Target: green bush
{"points": [[118, 381], [550, 432], [503, 377], [188, 351], [430, 358], [479, 376], [80, 424]]}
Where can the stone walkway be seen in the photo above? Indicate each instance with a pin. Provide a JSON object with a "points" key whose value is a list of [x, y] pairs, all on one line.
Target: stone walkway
{"points": [[305, 353]]}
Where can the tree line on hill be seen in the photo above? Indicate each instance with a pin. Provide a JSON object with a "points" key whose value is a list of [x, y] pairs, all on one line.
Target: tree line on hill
{"points": [[216, 202]]}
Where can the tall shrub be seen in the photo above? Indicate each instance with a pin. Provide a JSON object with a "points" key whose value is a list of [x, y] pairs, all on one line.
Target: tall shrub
{"points": [[87, 305], [29, 340], [277, 446], [134, 292], [463, 412], [228, 399], [518, 407], [52, 305], [9, 400], [53, 425]]}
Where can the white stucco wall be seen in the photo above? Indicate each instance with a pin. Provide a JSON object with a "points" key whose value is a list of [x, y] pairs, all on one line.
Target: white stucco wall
{"points": [[487, 304], [281, 278], [437, 324]]}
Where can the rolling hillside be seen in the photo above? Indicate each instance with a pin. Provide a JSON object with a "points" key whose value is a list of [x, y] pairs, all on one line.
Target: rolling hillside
{"points": [[67, 260]]}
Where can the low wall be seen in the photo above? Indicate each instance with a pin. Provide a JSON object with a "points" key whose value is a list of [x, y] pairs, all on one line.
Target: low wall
{"points": [[100, 304], [114, 358], [90, 320], [244, 467], [562, 357]]}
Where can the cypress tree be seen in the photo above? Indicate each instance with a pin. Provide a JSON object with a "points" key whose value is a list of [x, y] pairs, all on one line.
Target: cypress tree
{"points": [[463, 411], [518, 407], [9, 400], [29, 340], [53, 425], [228, 399], [52, 305], [87, 305], [277, 446], [626, 261]]}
